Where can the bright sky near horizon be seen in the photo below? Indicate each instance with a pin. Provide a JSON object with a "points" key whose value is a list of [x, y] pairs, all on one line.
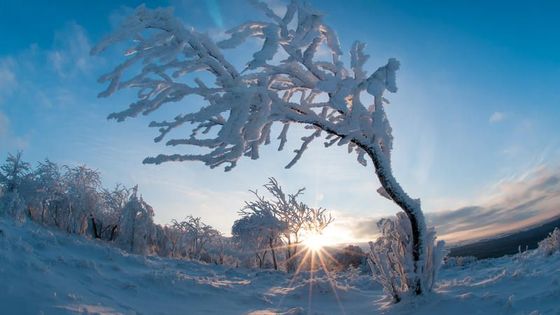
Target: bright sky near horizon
{"points": [[475, 120]]}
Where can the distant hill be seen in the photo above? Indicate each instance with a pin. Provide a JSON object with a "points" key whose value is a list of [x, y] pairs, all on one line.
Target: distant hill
{"points": [[508, 244]]}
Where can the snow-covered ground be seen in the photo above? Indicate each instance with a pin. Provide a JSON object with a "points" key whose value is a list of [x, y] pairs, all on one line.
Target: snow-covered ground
{"points": [[44, 271]]}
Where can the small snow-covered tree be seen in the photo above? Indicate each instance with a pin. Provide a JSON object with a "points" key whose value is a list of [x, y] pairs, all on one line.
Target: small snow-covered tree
{"points": [[193, 236], [108, 215], [296, 216], [49, 189], [14, 175], [259, 231], [286, 82], [136, 224], [82, 197], [250, 240], [220, 248], [13, 172]]}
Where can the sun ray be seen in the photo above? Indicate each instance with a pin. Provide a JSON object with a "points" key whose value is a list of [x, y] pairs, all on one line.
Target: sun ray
{"points": [[310, 282], [294, 277], [332, 284]]}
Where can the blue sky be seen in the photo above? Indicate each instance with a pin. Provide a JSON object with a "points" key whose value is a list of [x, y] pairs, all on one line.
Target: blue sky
{"points": [[475, 119]]}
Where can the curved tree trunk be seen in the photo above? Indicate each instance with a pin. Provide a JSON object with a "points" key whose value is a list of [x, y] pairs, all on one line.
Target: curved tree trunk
{"points": [[410, 206]]}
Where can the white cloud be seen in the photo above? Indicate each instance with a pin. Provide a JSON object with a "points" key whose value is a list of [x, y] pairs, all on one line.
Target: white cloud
{"points": [[4, 125], [8, 141], [497, 117], [8, 79], [70, 52]]}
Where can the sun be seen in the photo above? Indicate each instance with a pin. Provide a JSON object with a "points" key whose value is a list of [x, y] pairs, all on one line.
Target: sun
{"points": [[315, 241]]}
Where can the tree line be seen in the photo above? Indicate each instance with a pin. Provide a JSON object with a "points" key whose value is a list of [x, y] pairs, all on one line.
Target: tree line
{"points": [[268, 233]]}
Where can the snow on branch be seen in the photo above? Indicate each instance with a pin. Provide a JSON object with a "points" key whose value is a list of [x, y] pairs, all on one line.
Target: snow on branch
{"points": [[243, 105]]}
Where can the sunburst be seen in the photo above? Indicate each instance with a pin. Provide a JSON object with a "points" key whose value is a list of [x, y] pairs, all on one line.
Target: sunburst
{"points": [[314, 256]]}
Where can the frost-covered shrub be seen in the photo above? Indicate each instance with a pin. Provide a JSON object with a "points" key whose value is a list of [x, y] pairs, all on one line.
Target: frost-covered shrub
{"points": [[551, 244], [82, 197], [108, 214], [391, 258], [191, 237], [14, 175], [136, 225], [11, 204]]}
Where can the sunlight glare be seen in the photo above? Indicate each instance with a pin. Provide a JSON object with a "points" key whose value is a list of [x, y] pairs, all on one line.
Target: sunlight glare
{"points": [[315, 241]]}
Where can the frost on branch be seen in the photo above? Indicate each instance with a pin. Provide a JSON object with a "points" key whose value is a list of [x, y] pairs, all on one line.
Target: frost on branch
{"points": [[391, 261], [167, 62]]}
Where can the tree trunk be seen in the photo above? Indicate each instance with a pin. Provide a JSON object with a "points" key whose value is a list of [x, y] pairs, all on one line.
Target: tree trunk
{"points": [[43, 212], [410, 206], [261, 259], [113, 230], [288, 261], [273, 254], [94, 227]]}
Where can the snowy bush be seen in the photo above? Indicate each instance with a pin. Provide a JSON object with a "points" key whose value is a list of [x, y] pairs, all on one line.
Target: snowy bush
{"points": [[12, 205], [108, 215], [82, 197], [551, 244], [14, 176], [391, 258], [48, 190], [189, 238], [136, 225], [259, 232]]}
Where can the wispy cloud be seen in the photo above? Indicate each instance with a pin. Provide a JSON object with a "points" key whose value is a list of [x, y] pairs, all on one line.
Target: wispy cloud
{"points": [[8, 140], [511, 204], [69, 55], [4, 125], [496, 117], [8, 79]]}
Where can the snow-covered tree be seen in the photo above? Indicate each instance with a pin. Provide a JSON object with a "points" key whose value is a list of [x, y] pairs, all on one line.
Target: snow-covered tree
{"points": [[106, 219], [160, 242], [259, 231], [286, 82], [221, 249], [192, 236], [14, 175], [49, 189], [136, 225], [13, 172], [295, 216], [82, 198]]}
